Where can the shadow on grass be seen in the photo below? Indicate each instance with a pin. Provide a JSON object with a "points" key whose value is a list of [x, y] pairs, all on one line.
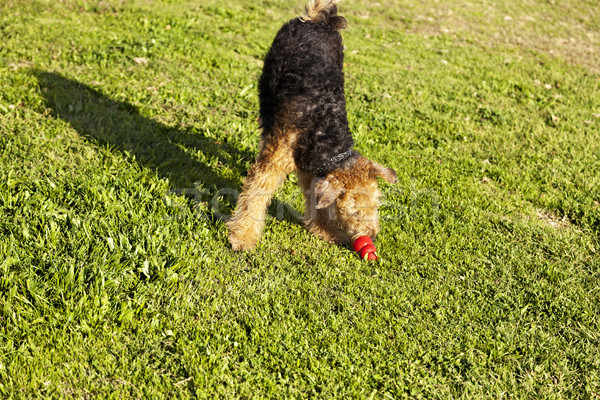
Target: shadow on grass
{"points": [[172, 152]]}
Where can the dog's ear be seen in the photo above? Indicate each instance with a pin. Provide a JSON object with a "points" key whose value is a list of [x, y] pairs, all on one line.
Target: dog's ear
{"points": [[379, 171], [327, 190]]}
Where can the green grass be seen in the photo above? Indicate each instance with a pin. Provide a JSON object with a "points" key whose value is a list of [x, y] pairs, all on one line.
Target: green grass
{"points": [[125, 127]]}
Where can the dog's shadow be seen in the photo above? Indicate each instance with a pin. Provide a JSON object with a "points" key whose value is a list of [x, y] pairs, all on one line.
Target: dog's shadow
{"points": [[186, 157]]}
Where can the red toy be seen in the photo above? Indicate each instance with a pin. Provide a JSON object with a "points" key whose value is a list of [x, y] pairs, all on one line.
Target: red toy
{"points": [[365, 248]]}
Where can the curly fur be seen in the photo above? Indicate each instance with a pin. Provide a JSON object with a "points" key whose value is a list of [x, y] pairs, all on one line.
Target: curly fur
{"points": [[305, 129], [323, 10], [303, 75]]}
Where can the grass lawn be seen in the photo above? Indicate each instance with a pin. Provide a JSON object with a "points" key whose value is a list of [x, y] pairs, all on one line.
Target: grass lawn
{"points": [[126, 128]]}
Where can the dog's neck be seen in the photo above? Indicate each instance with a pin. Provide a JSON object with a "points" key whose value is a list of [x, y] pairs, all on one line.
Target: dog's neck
{"points": [[333, 162]]}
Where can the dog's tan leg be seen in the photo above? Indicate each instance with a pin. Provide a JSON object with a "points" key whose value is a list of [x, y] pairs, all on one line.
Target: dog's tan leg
{"points": [[320, 222], [274, 163]]}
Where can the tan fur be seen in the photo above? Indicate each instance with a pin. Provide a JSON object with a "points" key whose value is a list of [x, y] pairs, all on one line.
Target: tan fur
{"points": [[340, 207], [356, 205], [314, 10], [320, 222], [357, 210], [274, 163]]}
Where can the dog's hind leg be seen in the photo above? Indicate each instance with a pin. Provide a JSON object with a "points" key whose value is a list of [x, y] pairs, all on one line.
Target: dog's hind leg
{"points": [[274, 163]]}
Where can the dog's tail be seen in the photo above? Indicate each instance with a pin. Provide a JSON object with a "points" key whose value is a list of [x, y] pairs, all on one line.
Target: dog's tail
{"points": [[324, 11]]}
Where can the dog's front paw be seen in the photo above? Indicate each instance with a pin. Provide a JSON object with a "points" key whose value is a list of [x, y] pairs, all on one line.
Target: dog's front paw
{"points": [[237, 245], [242, 240]]}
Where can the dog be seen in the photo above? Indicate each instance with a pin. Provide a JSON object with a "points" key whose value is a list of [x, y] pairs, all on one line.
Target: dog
{"points": [[305, 130]]}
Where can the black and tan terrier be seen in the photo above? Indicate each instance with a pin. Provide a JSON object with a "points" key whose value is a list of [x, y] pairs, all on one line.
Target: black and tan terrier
{"points": [[305, 129]]}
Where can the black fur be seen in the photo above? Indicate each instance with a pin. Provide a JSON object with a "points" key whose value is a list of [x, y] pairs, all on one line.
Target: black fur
{"points": [[302, 86]]}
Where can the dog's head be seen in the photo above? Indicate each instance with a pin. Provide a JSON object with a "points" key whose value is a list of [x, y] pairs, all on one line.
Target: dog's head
{"points": [[352, 195]]}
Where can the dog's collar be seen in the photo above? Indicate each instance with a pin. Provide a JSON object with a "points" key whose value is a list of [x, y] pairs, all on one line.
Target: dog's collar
{"points": [[327, 167]]}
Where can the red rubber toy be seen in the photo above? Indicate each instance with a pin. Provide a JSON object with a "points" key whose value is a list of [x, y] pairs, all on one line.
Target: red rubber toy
{"points": [[365, 248]]}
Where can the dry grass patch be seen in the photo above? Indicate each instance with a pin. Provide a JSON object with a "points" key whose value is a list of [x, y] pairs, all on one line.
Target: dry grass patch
{"points": [[566, 29], [552, 220]]}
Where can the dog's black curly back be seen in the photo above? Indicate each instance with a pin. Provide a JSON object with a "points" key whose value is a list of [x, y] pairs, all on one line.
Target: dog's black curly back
{"points": [[303, 82]]}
